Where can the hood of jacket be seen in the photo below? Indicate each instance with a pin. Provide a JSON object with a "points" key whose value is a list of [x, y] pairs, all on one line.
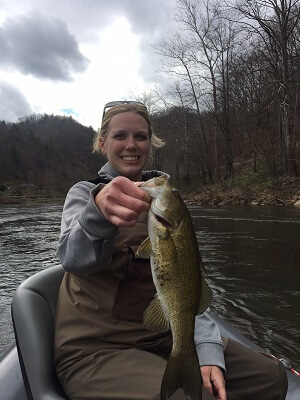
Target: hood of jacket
{"points": [[109, 172]]}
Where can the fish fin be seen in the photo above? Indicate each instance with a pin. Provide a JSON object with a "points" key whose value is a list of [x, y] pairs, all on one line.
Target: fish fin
{"points": [[182, 371], [155, 317], [144, 250], [206, 297], [206, 294]]}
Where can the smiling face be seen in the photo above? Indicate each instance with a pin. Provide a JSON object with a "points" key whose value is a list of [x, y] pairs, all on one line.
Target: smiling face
{"points": [[127, 144]]}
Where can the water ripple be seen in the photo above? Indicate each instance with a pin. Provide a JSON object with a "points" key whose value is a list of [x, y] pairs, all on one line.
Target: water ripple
{"points": [[250, 254]]}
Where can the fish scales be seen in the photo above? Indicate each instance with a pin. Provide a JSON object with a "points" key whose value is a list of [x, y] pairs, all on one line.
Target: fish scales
{"points": [[182, 292]]}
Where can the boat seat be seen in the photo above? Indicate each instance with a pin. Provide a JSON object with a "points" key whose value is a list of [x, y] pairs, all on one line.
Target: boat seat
{"points": [[33, 310]]}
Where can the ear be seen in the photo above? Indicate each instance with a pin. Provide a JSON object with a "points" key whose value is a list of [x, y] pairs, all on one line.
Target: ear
{"points": [[102, 146]]}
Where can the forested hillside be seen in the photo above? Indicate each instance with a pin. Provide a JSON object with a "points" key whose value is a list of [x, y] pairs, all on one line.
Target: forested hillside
{"points": [[44, 155], [50, 152]]}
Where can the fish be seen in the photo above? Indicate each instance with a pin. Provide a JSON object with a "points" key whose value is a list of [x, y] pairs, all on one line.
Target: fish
{"points": [[182, 291]]}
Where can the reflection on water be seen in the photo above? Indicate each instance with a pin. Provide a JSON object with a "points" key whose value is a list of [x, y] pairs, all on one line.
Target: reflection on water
{"points": [[252, 259], [251, 255], [28, 241]]}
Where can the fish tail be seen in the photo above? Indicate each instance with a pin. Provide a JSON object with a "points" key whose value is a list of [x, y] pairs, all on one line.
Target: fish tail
{"points": [[182, 372]]}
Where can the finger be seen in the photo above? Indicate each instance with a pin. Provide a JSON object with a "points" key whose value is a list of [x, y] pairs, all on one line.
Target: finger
{"points": [[120, 203], [221, 393], [219, 387], [132, 203], [207, 384], [131, 188], [138, 193], [114, 197], [138, 184], [123, 212], [120, 222], [119, 207], [147, 198]]}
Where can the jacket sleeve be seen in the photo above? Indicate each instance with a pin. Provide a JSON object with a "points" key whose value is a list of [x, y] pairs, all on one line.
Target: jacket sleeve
{"points": [[87, 237], [208, 341]]}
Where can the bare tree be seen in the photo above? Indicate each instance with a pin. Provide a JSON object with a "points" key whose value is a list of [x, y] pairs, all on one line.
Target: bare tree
{"points": [[276, 22], [199, 57]]}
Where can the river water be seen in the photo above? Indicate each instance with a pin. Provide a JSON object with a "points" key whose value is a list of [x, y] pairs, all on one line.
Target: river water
{"points": [[251, 256]]}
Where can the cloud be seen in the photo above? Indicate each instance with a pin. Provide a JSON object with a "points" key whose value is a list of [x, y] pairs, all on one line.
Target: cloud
{"points": [[145, 17], [13, 103], [41, 47], [71, 57], [87, 19]]}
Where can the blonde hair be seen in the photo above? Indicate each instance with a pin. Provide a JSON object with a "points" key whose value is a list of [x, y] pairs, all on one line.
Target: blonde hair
{"points": [[120, 108]]}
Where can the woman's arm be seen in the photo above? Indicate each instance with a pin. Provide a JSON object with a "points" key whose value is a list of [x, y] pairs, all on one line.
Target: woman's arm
{"points": [[210, 350], [208, 341], [87, 237], [91, 219]]}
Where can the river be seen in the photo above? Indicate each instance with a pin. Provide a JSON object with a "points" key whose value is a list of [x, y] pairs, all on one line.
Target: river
{"points": [[251, 256]]}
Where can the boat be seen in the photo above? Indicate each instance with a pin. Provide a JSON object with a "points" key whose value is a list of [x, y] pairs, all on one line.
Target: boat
{"points": [[26, 369]]}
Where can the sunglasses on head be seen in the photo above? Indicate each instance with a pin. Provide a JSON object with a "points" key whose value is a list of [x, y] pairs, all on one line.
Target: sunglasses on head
{"points": [[118, 103]]}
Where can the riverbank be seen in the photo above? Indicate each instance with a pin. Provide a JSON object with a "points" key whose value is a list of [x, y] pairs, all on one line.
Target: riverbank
{"points": [[284, 191]]}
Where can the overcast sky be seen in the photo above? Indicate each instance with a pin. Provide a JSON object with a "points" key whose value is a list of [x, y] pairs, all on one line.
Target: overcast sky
{"points": [[70, 57]]}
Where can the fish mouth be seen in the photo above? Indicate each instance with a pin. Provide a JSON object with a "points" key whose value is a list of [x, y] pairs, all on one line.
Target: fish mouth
{"points": [[163, 221]]}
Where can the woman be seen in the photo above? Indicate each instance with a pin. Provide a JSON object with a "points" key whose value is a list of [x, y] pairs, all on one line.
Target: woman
{"points": [[102, 350]]}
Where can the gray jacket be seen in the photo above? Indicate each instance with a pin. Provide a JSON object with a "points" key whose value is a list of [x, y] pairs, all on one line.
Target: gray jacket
{"points": [[86, 244]]}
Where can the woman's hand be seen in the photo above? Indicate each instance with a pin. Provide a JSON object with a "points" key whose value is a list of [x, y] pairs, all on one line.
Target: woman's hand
{"points": [[213, 381], [121, 201]]}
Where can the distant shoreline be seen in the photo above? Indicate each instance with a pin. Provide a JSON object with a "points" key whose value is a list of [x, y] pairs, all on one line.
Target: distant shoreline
{"points": [[286, 192]]}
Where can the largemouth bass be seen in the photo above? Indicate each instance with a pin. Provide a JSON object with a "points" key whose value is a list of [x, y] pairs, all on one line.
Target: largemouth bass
{"points": [[182, 291]]}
